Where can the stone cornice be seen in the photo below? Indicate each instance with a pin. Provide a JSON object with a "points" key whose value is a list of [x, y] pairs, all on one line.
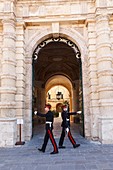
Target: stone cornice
{"points": [[26, 3], [45, 2], [21, 24], [103, 10], [90, 19], [66, 18]]}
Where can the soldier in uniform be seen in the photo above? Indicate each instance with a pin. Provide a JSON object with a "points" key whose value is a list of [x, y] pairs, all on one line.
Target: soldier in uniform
{"points": [[49, 127], [66, 127]]}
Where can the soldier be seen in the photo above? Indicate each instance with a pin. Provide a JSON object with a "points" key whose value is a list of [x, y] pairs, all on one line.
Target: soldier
{"points": [[66, 127], [49, 127]]}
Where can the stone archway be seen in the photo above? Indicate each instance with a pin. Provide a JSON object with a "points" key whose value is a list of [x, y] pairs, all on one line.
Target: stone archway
{"points": [[63, 81], [70, 94], [76, 38]]}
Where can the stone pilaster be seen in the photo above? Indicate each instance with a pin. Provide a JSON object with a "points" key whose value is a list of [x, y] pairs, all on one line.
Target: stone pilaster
{"points": [[43, 96], [20, 72], [39, 97], [105, 80], [28, 99], [74, 100], [8, 85], [93, 81], [8, 75], [75, 96]]}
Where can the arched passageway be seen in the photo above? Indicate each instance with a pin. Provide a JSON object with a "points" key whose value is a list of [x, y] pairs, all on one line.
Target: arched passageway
{"points": [[57, 62]]}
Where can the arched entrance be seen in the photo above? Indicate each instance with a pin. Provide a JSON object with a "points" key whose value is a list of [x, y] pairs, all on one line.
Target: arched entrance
{"points": [[59, 58], [36, 39]]}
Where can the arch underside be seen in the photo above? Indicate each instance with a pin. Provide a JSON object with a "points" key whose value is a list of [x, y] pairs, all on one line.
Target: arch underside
{"points": [[56, 57]]}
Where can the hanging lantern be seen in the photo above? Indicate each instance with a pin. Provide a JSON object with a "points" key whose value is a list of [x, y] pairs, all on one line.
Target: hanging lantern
{"points": [[59, 95]]}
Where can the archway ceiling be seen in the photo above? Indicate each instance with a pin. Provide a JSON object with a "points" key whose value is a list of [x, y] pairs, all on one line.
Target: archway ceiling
{"points": [[56, 58], [58, 80]]}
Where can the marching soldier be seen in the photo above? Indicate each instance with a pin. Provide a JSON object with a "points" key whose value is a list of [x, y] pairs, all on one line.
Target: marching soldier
{"points": [[49, 127], [66, 127]]}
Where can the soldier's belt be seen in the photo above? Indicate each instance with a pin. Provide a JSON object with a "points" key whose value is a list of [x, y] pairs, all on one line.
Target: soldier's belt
{"points": [[50, 123]]}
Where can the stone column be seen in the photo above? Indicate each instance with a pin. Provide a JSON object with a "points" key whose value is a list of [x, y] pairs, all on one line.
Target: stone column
{"points": [[93, 81], [8, 82], [20, 72], [38, 99], [28, 99], [43, 99], [8, 77], [74, 100], [105, 79]]}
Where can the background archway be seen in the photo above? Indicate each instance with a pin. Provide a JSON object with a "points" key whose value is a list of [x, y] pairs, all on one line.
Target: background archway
{"points": [[64, 85]]}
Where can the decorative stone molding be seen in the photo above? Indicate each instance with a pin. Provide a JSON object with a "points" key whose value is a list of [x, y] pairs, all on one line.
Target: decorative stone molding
{"points": [[55, 29], [59, 39], [105, 74], [78, 39]]}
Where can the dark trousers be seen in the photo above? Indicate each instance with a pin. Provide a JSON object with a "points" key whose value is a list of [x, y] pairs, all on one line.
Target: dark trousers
{"points": [[48, 135], [63, 136]]}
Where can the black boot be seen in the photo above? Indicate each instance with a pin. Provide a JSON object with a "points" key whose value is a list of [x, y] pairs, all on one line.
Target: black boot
{"points": [[61, 147], [54, 152], [76, 145], [41, 150]]}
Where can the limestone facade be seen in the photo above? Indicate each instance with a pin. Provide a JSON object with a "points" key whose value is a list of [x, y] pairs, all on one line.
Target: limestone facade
{"points": [[26, 23]]}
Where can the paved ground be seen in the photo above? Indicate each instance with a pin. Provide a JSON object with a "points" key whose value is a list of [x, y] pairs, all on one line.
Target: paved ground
{"points": [[89, 156]]}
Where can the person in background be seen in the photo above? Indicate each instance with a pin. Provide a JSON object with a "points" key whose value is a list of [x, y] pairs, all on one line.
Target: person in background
{"points": [[49, 127], [66, 127]]}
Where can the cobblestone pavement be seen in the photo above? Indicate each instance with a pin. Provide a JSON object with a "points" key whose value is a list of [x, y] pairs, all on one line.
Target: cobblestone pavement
{"points": [[89, 156]]}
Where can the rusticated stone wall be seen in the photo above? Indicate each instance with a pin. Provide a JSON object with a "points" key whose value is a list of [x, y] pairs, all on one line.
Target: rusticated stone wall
{"points": [[23, 25]]}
